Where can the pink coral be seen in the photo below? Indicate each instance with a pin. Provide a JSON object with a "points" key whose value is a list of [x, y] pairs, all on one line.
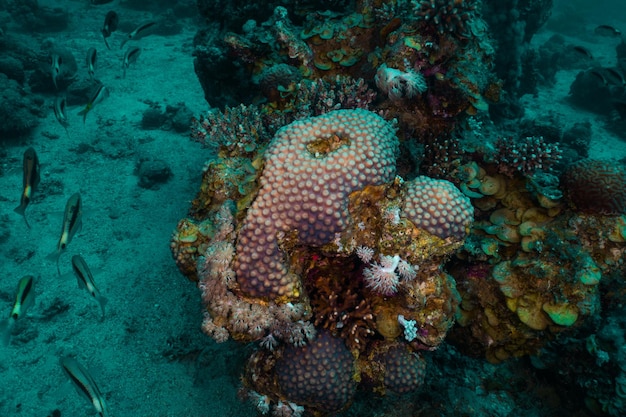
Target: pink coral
{"points": [[312, 165], [382, 277], [438, 207], [229, 314], [365, 254]]}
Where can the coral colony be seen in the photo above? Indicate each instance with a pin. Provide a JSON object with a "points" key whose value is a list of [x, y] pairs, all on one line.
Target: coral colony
{"points": [[348, 223]]}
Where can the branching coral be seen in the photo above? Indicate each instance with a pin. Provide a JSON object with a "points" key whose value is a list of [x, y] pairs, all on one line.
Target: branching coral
{"points": [[448, 16], [338, 304], [236, 131], [332, 93], [525, 156]]}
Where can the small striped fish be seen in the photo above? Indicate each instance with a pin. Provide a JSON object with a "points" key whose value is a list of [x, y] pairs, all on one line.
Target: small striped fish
{"points": [[72, 222], [85, 384], [24, 298], [86, 281]]}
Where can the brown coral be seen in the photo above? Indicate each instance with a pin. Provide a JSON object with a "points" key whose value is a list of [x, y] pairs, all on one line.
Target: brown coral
{"points": [[318, 375], [595, 186], [335, 293]]}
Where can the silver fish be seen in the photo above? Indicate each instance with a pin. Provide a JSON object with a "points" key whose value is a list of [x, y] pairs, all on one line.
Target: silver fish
{"points": [[24, 298], [85, 384], [614, 76], [581, 50], [86, 281], [30, 181], [139, 32], [101, 93], [60, 113], [55, 68], [597, 73], [72, 223], [130, 57], [91, 61], [608, 31], [110, 25]]}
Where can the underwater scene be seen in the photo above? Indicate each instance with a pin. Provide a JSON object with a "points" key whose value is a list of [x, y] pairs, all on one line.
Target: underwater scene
{"points": [[311, 208]]}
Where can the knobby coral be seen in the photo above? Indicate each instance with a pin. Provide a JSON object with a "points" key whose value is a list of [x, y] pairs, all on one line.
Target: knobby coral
{"points": [[311, 167]]}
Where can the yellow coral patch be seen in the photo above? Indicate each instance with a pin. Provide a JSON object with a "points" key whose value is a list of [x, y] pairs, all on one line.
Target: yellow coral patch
{"points": [[563, 314], [530, 313], [504, 216], [511, 304], [493, 185], [412, 43]]}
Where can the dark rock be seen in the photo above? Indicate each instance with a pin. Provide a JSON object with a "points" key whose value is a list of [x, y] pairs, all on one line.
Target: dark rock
{"points": [[578, 138], [180, 117], [152, 173], [41, 79], [153, 118], [12, 68], [590, 92], [33, 17], [53, 19], [19, 111]]}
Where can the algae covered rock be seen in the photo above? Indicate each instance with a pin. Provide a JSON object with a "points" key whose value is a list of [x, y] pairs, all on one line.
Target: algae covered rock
{"points": [[19, 110]]}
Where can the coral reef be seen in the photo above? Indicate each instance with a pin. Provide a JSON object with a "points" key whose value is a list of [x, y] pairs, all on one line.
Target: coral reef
{"points": [[535, 267], [422, 71], [365, 201], [290, 263], [599, 352]]}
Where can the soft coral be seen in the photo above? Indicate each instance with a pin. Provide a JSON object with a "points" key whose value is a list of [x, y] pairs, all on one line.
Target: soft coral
{"points": [[398, 84]]}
